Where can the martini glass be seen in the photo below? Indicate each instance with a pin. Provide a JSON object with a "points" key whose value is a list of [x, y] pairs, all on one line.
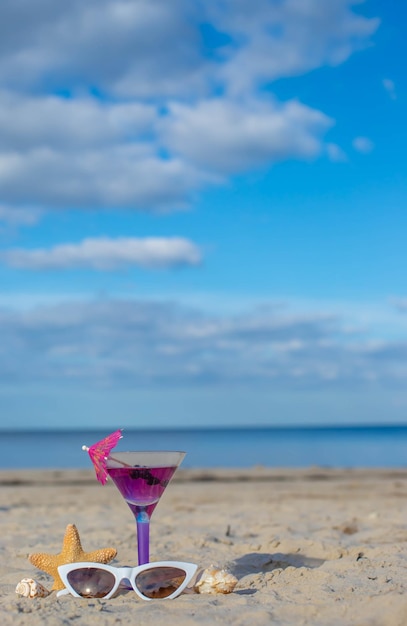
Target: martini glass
{"points": [[141, 478]]}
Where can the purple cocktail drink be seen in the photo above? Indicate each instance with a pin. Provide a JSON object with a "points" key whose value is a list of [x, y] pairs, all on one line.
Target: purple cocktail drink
{"points": [[141, 487], [141, 478]]}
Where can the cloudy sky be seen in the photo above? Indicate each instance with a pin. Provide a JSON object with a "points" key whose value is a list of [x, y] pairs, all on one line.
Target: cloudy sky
{"points": [[202, 212]]}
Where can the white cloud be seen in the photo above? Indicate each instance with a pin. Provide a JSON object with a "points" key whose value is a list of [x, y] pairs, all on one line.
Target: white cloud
{"points": [[363, 144], [400, 304], [109, 254], [267, 132], [390, 87], [98, 155], [130, 47], [127, 343], [335, 153], [28, 122], [279, 39], [89, 153], [159, 77], [139, 48], [21, 216], [123, 175]]}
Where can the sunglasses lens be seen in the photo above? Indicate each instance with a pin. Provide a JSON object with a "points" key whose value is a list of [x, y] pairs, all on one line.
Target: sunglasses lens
{"points": [[91, 582], [160, 582]]}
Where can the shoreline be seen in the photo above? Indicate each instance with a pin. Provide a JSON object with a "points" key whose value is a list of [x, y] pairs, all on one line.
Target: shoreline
{"points": [[310, 547], [26, 477]]}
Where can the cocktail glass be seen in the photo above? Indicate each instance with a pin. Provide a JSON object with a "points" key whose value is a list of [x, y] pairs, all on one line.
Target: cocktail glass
{"points": [[141, 478]]}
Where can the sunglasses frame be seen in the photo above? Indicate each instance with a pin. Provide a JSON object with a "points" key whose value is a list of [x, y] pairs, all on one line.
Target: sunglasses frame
{"points": [[126, 573]]}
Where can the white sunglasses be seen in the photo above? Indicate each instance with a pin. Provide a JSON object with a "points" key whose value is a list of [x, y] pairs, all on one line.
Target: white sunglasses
{"points": [[162, 579]]}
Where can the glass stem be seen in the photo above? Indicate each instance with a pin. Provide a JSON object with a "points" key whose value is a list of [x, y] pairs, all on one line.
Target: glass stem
{"points": [[143, 536]]}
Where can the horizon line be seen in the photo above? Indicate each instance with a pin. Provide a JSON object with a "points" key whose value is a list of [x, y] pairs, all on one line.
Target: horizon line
{"points": [[355, 426]]}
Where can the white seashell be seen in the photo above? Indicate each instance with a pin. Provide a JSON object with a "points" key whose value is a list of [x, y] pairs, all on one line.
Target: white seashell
{"points": [[30, 588], [214, 580]]}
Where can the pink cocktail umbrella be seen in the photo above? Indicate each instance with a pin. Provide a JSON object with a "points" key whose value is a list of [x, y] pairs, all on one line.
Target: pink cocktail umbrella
{"points": [[99, 452]]}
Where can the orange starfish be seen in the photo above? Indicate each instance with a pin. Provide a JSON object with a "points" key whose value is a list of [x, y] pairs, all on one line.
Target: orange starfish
{"points": [[71, 552]]}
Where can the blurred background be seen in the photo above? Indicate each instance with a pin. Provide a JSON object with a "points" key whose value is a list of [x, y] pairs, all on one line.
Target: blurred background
{"points": [[202, 227]]}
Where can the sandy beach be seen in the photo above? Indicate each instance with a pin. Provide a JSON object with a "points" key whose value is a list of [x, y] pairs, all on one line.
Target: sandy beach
{"points": [[309, 547]]}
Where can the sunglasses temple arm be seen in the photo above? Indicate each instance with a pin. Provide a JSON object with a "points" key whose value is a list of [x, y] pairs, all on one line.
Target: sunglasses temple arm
{"points": [[190, 588]]}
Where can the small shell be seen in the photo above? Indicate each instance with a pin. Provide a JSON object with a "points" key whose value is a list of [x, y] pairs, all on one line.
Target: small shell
{"points": [[214, 580], [30, 588]]}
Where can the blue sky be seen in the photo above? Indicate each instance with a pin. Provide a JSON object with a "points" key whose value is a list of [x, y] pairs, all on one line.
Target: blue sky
{"points": [[202, 213]]}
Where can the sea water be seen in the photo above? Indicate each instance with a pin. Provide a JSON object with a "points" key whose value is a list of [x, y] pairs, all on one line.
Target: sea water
{"points": [[363, 446]]}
